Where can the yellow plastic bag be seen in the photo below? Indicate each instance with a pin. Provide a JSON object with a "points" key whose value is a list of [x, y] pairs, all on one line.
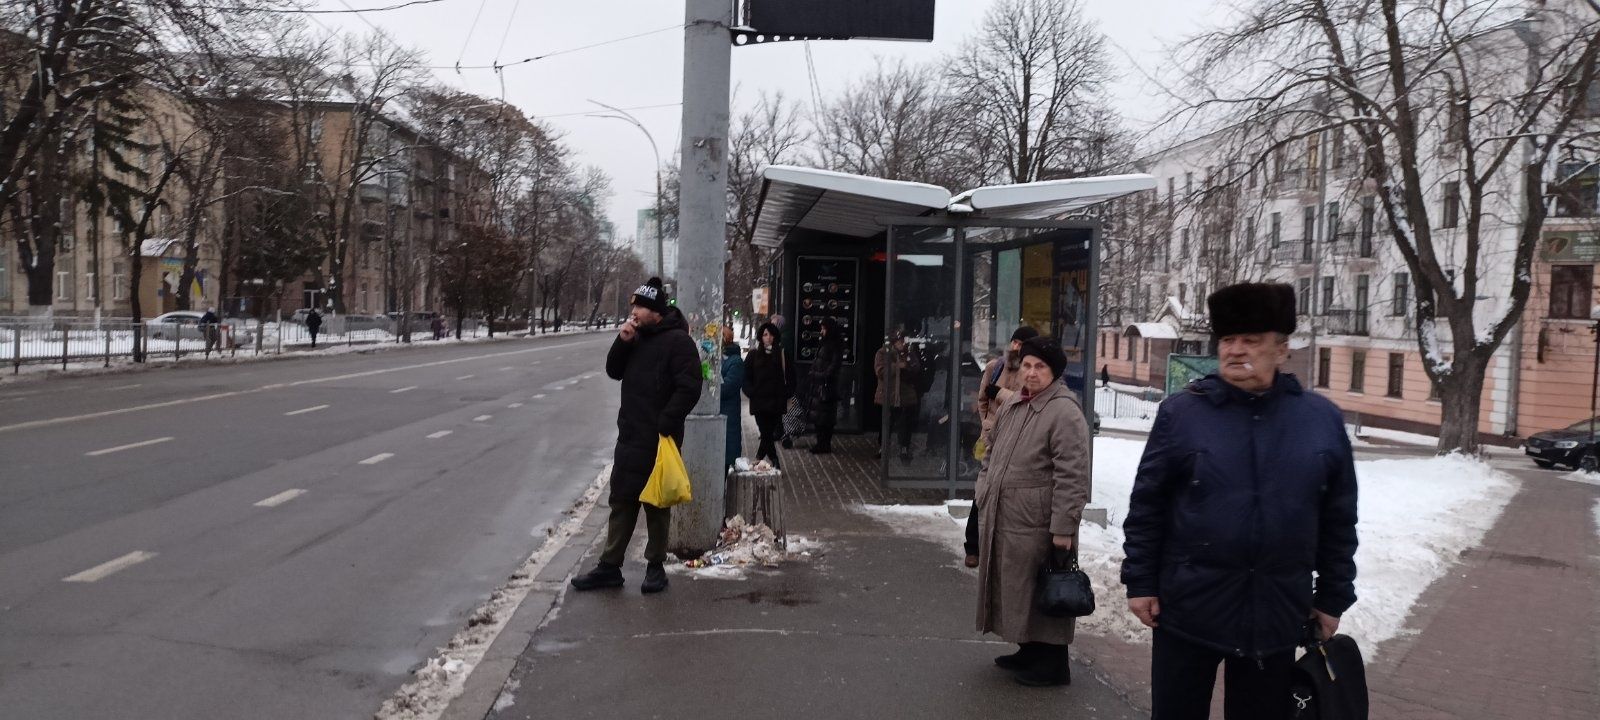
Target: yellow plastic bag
{"points": [[669, 481], [980, 449]]}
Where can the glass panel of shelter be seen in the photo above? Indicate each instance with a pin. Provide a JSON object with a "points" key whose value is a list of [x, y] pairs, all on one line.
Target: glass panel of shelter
{"points": [[1009, 277]]}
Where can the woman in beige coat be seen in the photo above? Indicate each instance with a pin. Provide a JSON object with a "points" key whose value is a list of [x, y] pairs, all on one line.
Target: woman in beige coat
{"points": [[1031, 493]]}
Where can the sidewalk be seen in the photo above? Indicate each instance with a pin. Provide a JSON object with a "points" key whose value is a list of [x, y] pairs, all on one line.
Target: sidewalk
{"points": [[876, 623]]}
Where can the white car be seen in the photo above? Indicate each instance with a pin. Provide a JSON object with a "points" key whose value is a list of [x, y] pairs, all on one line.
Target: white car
{"points": [[177, 325]]}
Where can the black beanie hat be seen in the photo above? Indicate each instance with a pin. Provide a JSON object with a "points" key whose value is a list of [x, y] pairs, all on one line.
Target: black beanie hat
{"points": [[1252, 308], [1024, 334], [650, 296], [1047, 349]]}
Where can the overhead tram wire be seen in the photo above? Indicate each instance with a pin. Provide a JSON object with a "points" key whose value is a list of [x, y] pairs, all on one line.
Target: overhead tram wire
{"points": [[348, 11], [470, 32]]}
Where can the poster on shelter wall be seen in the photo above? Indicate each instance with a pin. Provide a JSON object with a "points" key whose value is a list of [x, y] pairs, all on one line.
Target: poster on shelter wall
{"points": [[825, 287]]}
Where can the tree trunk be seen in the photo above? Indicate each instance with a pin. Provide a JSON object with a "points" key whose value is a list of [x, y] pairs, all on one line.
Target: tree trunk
{"points": [[1460, 398]]}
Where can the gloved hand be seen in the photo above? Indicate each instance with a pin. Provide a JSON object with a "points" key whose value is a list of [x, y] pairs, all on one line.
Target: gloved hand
{"points": [[669, 428], [992, 391]]}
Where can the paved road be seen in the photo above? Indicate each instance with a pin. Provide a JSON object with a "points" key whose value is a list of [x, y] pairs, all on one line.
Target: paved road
{"points": [[281, 539]]}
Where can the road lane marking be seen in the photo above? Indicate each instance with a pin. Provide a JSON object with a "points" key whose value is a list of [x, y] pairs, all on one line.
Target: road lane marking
{"points": [[440, 434], [375, 459], [274, 386], [280, 498], [506, 368], [129, 446], [482, 418], [303, 411], [466, 377], [102, 570], [407, 388], [540, 396], [128, 387], [514, 405]]}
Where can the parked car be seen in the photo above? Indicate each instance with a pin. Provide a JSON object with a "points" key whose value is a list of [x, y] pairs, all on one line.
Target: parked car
{"points": [[1567, 446], [177, 325]]}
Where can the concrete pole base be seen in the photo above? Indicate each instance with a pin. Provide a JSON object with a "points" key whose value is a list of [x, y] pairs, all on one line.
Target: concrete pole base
{"points": [[696, 525]]}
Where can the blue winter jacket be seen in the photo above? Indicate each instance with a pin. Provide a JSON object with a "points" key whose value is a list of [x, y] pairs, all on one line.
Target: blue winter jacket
{"points": [[1243, 516]]}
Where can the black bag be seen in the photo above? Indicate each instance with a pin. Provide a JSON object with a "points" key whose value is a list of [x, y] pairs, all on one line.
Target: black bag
{"points": [[1330, 682], [1064, 592]]}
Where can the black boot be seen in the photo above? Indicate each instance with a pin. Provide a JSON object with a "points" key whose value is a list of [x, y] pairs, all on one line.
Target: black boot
{"points": [[1049, 667], [1017, 661], [602, 576], [655, 579]]}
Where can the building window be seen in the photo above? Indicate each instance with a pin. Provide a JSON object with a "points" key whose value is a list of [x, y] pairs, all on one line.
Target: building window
{"points": [[1397, 369], [1200, 294], [1369, 222], [63, 285], [1172, 191], [1571, 289], [1402, 295], [1116, 351], [1332, 223], [1303, 293], [1183, 294], [1358, 371], [1324, 365], [1308, 223], [1183, 244], [1277, 229], [1133, 348], [1577, 189], [1327, 295], [119, 282], [5, 257], [1363, 298], [1249, 236], [91, 285], [1188, 185], [1452, 204]]}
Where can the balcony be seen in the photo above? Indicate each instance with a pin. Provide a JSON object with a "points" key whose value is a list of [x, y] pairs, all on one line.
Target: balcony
{"points": [[1345, 322], [1291, 252], [374, 192]]}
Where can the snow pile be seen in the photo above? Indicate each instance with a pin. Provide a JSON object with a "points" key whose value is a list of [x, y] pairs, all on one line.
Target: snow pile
{"points": [[1579, 476], [745, 547], [1416, 518], [443, 678], [1394, 437]]}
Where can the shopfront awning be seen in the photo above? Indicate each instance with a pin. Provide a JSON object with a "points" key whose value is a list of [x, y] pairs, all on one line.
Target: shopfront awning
{"points": [[852, 205]]}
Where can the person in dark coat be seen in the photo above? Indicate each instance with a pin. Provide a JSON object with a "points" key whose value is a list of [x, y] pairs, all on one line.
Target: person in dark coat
{"points": [[211, 327], [767, 384], [732, 402], [659, 367], [1242, 523], [823, 385], [313, 325]]}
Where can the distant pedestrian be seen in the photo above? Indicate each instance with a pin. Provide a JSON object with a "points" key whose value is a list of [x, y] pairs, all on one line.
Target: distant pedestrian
{"points": [[732, 400], [1031, 492], [437, 326], [769, 386], [659, 367], [1001, 380], [1105, 376], [823, 385], [211, 327], [1241, 528], [313, 325]]}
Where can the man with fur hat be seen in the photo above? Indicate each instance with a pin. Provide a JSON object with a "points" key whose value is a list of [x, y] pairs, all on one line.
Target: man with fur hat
{"points": [[1241, 529], [659, 367]]}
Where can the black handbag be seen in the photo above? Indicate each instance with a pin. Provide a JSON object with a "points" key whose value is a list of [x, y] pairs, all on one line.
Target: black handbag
{"points": [[1064, 592], [1330, 682]]}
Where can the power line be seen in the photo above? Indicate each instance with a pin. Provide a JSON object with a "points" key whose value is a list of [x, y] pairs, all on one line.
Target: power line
{"points": [[347, 11], [500, 66], [503, 36], [596, 113], [470, 32]]}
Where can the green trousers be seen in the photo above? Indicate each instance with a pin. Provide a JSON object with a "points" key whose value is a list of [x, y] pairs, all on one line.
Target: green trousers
{"points": [[619, 530]]}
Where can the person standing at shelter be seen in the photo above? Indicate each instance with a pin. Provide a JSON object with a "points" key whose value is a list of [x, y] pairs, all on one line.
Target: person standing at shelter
{"points": [[313, 325], [769, 386], [1001, 379], [732, 386], [1031, 492], [659, 367], [1241, 527], [897, 366], [823, 385]]}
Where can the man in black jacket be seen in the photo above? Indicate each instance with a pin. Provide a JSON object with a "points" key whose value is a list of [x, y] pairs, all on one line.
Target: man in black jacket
{"points": [[659, 367], [1242, 523]]}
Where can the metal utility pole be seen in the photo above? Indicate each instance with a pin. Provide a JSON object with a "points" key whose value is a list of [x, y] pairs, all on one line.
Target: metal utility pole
{"points": [[1319, 239], [661, 255], [702, 232]]}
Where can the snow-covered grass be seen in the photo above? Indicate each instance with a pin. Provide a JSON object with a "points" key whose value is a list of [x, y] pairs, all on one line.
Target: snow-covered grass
{"points": [[1416, 517], [1396, 436]]}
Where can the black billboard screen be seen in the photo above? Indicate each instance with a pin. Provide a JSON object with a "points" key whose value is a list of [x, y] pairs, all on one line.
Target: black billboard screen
{"points": [[865, 19]]}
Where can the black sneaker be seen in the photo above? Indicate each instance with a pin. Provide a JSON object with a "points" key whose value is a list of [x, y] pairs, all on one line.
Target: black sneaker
{"points": [[602, 576], [655, 579]]}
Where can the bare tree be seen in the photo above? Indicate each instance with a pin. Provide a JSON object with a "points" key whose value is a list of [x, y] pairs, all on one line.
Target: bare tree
{"points": [[896, 123], [1028, 85], [1458, 109], [771, 133]]}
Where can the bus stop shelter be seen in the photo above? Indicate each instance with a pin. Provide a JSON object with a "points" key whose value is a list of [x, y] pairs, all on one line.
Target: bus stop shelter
{"points": [[956, 274]]}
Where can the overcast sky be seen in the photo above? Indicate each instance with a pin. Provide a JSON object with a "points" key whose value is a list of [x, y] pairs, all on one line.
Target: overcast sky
{"points": [[648, 71]]}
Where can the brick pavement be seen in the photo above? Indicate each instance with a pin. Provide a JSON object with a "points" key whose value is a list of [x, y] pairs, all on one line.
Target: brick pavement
{"points": [[1513, 632]]}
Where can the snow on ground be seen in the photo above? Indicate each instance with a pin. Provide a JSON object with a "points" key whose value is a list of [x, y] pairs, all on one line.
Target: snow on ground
{"points": [[1133, 424], [1417, 516], [1579, 476], [1395, 436]]}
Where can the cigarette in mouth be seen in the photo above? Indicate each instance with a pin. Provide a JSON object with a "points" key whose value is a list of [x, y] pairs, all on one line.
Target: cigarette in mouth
{"points": [[1249, 366]]}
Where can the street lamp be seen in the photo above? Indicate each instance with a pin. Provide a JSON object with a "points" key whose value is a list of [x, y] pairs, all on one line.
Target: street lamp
{"points": [[1590, 460], [661, 269]]}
